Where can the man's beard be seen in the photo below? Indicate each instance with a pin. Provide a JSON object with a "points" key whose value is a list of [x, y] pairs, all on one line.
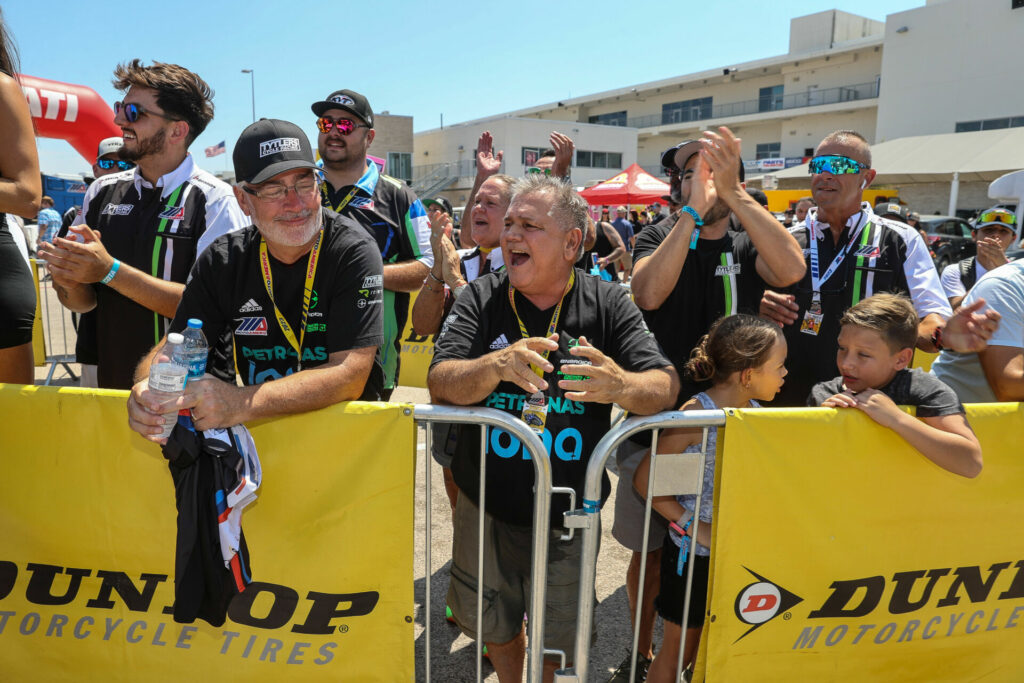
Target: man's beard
{"points": [[151, 146], [287, 238], [716, 213]]}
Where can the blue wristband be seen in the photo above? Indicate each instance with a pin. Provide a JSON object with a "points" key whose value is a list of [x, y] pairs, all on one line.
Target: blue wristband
{"points": [[111, 273], [697, 221]]}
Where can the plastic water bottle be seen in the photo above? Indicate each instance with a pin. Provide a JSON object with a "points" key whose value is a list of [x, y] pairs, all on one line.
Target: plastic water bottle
{"points": [[167, 377], [195, 349]]}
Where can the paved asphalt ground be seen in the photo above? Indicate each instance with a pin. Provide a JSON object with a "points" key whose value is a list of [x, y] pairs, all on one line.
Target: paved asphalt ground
{"points": [[452, 654]]}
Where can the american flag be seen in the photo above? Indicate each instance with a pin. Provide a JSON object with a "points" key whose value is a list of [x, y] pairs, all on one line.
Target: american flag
{"points": [[219, 148]]}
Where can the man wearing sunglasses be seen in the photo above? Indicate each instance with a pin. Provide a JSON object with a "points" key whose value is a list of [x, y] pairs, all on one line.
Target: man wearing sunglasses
{"points": [[852, 253], [107, 162], [141, 229], [995, 231], [294, 298], [386, 208]]}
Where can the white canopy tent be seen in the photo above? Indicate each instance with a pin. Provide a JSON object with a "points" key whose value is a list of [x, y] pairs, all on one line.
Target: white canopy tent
{"points": [[951, 157]]}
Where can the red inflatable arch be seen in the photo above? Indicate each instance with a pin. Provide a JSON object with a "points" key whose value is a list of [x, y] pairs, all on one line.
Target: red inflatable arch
{"points": [[69, 112]]}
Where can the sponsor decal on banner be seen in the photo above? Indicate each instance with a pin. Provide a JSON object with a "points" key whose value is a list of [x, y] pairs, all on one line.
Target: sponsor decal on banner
{"points": [[252, 326], [87, 584], [894, 587]]}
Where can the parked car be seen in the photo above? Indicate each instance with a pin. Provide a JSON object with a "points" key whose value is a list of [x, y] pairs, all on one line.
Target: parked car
{"points": [[949, 238]]}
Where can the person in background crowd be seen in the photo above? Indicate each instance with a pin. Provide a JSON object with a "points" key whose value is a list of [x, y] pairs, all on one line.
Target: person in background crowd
{"points": [[759, 196], [501, 346], [386, 208], [439, 210], [48, 220], [330, 354], [893, 211], [876, 346], [657, 212], [995, 231], [996, 372], [20, 193], [688, 273], [802, 207], [605, 249], [557, 160], [626, 231], [107, 162], [155, 219], [914, 220], [639, 220], [787, 218], [851, 254]]}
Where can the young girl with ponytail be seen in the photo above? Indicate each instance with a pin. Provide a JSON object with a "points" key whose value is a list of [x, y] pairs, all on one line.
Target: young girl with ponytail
{"points": [[743, 357]]}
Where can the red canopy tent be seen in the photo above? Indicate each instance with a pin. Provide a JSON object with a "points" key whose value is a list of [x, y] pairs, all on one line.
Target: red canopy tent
{"points": [[632, 186]]}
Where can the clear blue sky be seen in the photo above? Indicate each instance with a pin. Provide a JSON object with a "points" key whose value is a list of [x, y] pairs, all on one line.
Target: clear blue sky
{"points": [[464, 59]]}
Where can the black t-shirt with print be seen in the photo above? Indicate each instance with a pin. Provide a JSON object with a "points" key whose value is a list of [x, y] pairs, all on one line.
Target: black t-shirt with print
{"points": [[227, 292], [931, 396], [718, 278], [482, 321]]}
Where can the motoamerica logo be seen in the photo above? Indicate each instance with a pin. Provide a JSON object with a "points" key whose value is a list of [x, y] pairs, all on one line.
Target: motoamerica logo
{"points": [[903, 593]]}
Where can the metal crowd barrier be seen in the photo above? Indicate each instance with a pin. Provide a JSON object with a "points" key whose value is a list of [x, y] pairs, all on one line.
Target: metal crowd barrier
{"points": [[59, 335], [676, 473], [427, 416]]}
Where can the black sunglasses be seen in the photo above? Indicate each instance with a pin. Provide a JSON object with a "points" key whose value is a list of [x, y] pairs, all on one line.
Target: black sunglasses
{"points": [[107, 164], [133, 111]]}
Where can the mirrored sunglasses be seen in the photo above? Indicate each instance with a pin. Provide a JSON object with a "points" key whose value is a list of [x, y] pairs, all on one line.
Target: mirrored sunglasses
{"points": [[534, 169], [836, 164], [344, 126], [107, 164], [133, 112], [998, 216]]}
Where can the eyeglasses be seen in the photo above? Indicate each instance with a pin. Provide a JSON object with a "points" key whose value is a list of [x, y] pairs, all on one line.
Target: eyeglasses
{"points": [[107, 164], [344, 126], [276, 192], [133, 111], [998, 216], [534, 169], [836, 164]]}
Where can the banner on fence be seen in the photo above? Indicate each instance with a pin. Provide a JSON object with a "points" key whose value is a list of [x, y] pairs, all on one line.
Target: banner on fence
{"points": [[842, 554], [87, 517], [417, 352]]}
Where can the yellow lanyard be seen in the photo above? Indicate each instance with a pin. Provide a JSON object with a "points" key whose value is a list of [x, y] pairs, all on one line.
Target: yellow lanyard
{"points": [[344, 202], [268, 282], [554, 317]]}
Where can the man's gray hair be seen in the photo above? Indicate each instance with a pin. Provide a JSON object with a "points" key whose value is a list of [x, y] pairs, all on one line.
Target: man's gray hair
{"points": [[850, 137], [567, 206]]}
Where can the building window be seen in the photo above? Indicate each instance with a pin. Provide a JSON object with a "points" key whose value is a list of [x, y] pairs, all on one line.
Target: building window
{"points": [[400, 165], [687, 110], [585, 159], [615, 118], [990, 124], [531, 154], [770, 99], [769, 150]]}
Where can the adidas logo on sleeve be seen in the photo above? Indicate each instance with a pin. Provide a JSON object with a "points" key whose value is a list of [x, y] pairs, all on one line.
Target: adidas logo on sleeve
{"points": [[250, 306], [500, 343]]}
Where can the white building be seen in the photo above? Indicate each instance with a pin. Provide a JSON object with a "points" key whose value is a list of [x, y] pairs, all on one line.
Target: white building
{"points": [[941, 68]]}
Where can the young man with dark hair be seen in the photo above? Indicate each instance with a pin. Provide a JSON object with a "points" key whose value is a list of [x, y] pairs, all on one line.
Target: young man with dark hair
{"points": [[995, 231], [385, 207], [140, 230]]}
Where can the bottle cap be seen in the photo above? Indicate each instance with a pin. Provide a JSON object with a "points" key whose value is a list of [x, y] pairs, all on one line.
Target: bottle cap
{"points": [[175, 338], [195, 323]]}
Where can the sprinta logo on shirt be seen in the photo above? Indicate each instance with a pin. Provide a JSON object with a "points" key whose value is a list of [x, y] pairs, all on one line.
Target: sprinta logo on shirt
{"points": [[500, 343], [722, 271], [278, 145], [250, 306], [117, 209]]}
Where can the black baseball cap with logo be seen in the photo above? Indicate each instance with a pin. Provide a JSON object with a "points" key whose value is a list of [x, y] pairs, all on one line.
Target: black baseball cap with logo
{"points": [[682, 153], [350, 101], [445, 205], [269, 147]]}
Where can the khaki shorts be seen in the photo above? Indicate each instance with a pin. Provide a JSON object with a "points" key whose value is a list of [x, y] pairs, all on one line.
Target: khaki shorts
{"points": [[628, 526], [507, 585]]}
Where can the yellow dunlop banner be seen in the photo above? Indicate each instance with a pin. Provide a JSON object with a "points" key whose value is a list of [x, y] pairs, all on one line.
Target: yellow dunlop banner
{"points": [[87, 521], [417, 352], [38, 343], [842, 554]]}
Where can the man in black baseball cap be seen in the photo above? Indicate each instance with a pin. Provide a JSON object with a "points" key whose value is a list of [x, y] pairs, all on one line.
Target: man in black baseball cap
{"points": [[385, 207], [298, 293], [438, 204]]}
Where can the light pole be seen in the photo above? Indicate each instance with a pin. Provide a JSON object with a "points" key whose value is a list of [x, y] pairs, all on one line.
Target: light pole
{"points": [[252, 82]]}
